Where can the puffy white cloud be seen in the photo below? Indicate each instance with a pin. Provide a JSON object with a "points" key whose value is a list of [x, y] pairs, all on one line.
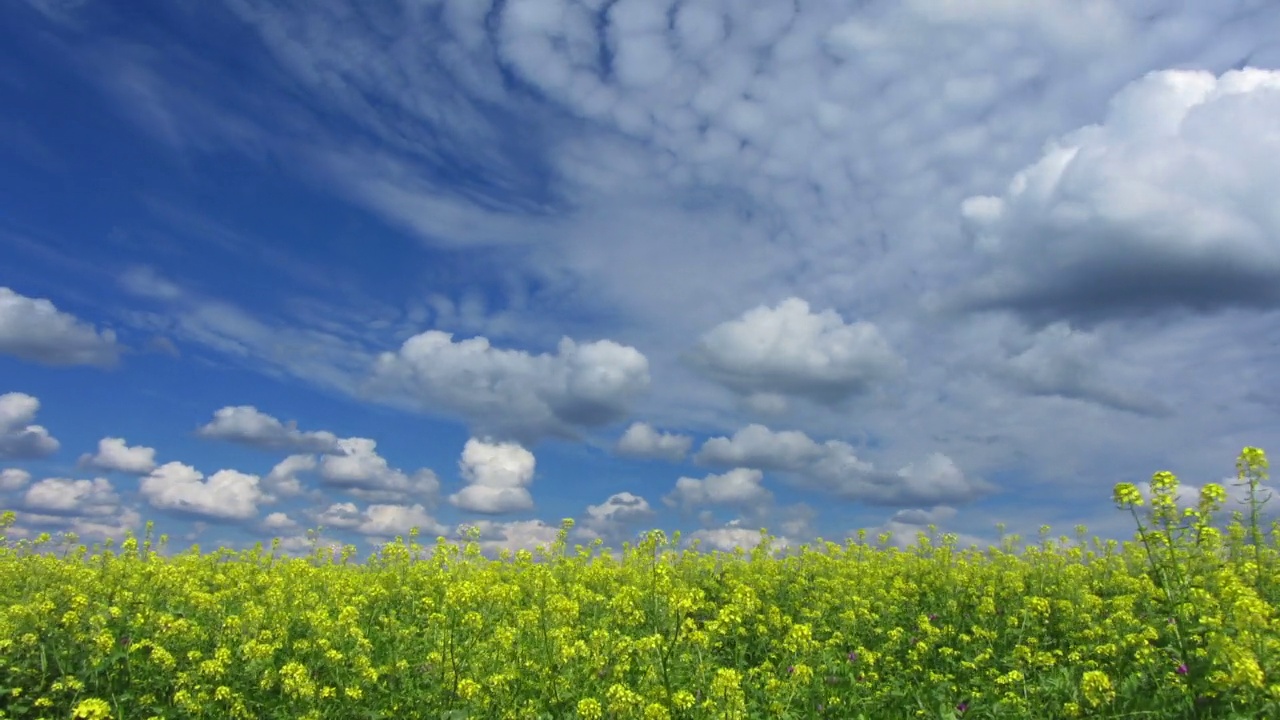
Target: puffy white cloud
{"points": [[112, 523], [20, 440], [227, 495], [283, 480], [906, 526], [357, 468], [13, 479], [511, 536], [757, 446], [497, 474], [35, 330], [642, 440], [247, 425], [834, 467], [1164, 203], [380, 521], [60, 496], [510, 392], [615, 517], [115, 456], [278, 521], [102, 527], [789, 351], [741, 488], [732, 536]]}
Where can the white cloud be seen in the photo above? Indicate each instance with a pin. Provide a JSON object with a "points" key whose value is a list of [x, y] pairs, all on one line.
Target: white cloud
{"points": [[358, 469], [115, 456], [1065, 362], [733, 536], [757, 446], [789, 351], [1164, 203], [512, 536], [60, 496], [13, 479], [497, 475], [283, 480], [380, 521], [36, 331], [642, 440], [511, 392], [113, 524], [227, 495], [313, 353], [740, 488], [615, 517], [247, 425], [905, 527], [834, 467], [277, 521], [20, 440]]}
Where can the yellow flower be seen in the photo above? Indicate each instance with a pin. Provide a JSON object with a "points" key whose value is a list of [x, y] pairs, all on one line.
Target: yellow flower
{"points": [[654, 711], [1126, 495], [589, 709], [683, 699], [92, 709], [468, 688], [1097, 688]]}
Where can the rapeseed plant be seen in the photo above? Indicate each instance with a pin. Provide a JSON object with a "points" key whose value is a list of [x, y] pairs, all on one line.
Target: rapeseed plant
{"points": [[1180, 623]]}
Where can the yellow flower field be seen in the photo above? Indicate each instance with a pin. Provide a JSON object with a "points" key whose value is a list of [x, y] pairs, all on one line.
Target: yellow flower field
{"points": [[1181, 622]]}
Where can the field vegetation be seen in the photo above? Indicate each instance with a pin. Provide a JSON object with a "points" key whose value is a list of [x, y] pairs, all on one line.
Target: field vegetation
{"points": [[1180, 622]]}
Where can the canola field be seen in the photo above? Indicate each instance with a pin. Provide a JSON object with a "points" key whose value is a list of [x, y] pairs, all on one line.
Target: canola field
{"points": [[1180, 622]]}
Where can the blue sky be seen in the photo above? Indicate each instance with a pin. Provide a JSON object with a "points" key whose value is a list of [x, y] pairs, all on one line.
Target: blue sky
{"points": [[703, 266]]}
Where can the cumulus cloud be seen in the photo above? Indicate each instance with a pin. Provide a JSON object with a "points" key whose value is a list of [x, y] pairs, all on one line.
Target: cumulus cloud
{"points": [[113, 524], [497, 475], [789, 351], [834, 467], [358, 469], [19, 439], [511, 392], [511, 536], [1065, 362], [36, 331], [115, 456], [13, 479], [642, 440], [247, 425], [616, 516], [757, 446], [227, 495], [277, 521], [1163, 204], [741, 488], [59, 496], [380, 521], [283, 479], [906, 526], [732, 536]]}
